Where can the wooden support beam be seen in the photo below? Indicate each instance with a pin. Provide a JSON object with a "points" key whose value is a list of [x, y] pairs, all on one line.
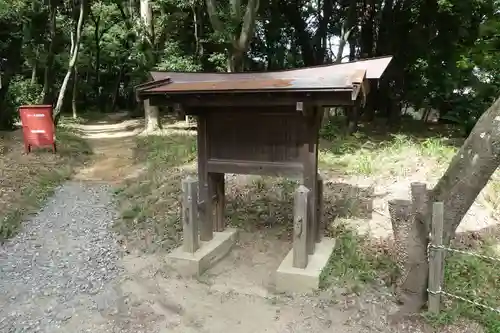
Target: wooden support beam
{"points": [[220, 200], [205, 206], [190, 214], [343, 98], [255, 167], [309, 158], [320, 225], [300, 227]]}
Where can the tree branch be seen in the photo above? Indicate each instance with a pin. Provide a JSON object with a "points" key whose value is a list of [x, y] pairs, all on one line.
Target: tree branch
{"points": [[236, 10], [248, 27], [212, 14]]}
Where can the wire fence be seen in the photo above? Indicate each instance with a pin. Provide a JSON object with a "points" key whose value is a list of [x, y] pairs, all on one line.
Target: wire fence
{"points": [[436, 252]]}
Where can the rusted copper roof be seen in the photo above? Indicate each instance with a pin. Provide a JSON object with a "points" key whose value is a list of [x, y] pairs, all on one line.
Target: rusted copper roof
{"points": [[335, 77]]}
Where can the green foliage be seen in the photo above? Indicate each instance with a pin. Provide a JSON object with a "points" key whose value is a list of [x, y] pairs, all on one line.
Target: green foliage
{"points": [[175, 60], [23, 92]]}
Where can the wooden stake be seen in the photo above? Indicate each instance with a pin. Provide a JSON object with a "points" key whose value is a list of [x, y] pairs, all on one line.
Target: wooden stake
{"points": [[300, 226], [190, 214], [436, 257]]}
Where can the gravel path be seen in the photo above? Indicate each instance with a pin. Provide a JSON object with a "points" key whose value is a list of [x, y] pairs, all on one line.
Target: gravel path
{"points": [[61, 264]]}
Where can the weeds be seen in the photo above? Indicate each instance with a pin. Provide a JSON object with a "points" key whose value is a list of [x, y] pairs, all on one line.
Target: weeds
{"points": [[149, 205], [474, 279], [354, 262], [395, 156]]}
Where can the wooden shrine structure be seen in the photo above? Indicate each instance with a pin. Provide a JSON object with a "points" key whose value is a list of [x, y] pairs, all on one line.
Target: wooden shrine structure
{"points": [[264, 124]]}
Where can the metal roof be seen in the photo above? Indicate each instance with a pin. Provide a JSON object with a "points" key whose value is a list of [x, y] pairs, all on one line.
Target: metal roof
{"points": [[334, 77]]}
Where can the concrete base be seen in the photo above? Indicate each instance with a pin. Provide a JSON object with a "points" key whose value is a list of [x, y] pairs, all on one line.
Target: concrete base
{"points": [[194, 264], [298, 280]]}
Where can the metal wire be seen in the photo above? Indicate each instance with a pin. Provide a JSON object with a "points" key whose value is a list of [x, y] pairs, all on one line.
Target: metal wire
{"points": [[442, 292], [441, 247]]}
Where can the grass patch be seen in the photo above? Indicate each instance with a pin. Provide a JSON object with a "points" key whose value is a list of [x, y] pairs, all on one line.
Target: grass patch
{"points": [[356, 261], [395, 155], [477, 280], [150, 205], [28, 180]]}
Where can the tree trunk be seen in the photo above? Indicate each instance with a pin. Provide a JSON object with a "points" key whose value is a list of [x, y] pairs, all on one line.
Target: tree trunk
{"points": [[75, 47], [116, 90], [410, 223], [147, 36], [470, 170], [11, 67], [48, 76], [352, 117], [97, 42], [468, 173], [34, 71], [302, 36], [75, 91], [238, 46], [345, 33], [152, 117], [235, 61]]}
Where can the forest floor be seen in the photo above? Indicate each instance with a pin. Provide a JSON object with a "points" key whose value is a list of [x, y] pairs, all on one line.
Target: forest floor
{"points": [[93, 259]]}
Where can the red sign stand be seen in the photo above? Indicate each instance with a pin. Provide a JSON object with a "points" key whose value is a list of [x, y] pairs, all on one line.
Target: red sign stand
{"points": [[38, 126]]}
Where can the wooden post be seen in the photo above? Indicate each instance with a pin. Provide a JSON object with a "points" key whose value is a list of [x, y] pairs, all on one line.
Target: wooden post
{"points": [[309, 158], [190, 214], [420, 204], [436, 257], [300, 227], [217, 185], [400, 213], [320, 225], [205, 206]]}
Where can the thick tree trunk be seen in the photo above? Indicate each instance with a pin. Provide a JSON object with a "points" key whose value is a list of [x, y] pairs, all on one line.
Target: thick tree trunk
{"points": [[410, 223], [148, 37], [235, 61], [152, 117], [468, 173], [75, 47], [470, 170]]}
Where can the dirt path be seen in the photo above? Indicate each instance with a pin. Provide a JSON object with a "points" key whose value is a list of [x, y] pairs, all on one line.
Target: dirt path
{"points": [[66, 272], [112, 145]]}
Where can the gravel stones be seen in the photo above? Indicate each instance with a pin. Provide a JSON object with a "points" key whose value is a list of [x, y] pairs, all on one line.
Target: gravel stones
{"points": [[63, 259]]}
